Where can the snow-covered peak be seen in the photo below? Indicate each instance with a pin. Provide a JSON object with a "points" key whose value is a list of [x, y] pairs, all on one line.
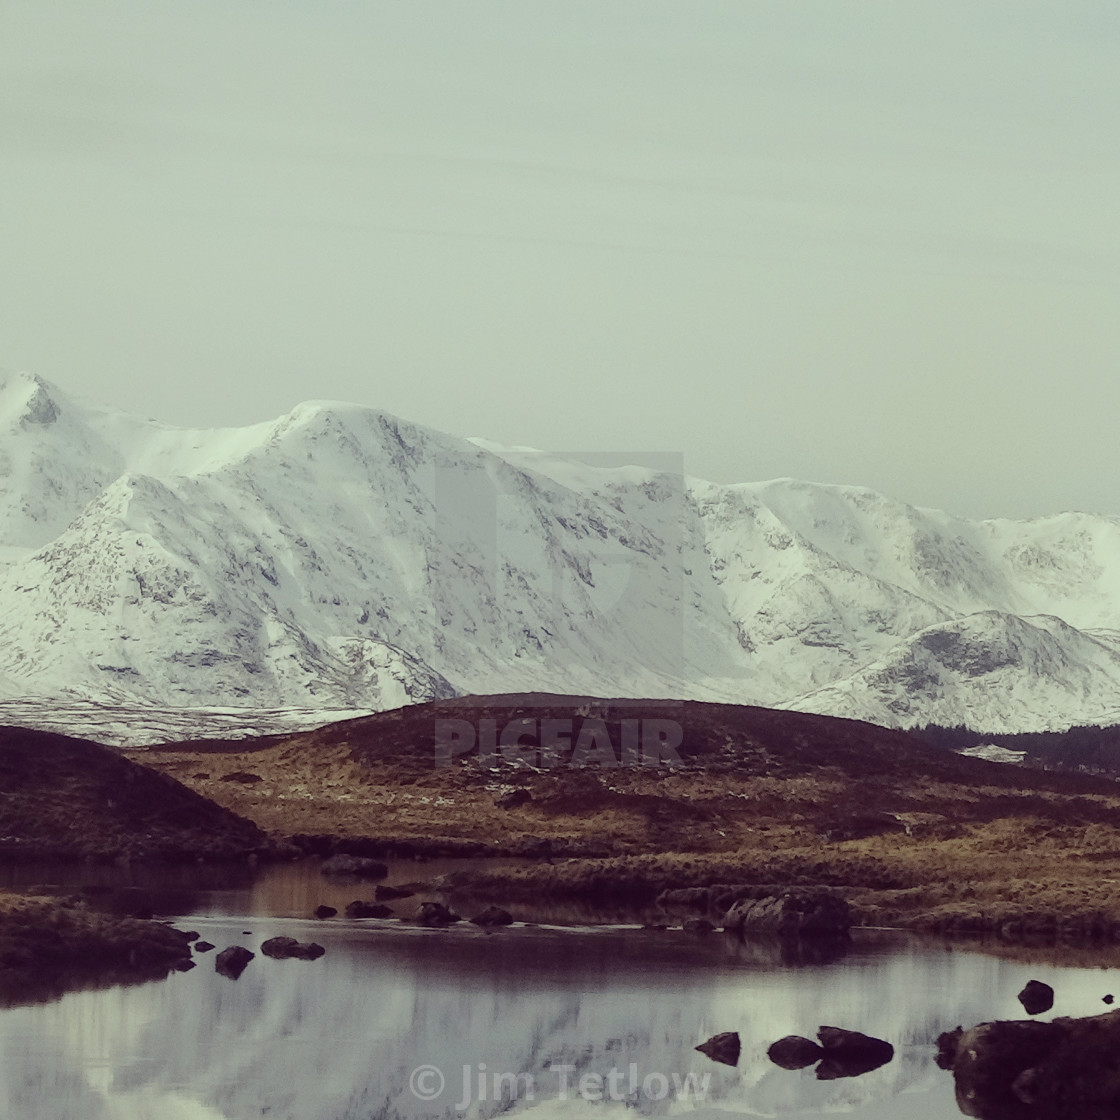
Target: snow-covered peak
{"points": [[26, 400], [341, 557]]}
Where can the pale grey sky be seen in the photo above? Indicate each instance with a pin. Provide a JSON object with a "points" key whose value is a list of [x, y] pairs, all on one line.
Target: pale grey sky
{"points": [[862, 242]]}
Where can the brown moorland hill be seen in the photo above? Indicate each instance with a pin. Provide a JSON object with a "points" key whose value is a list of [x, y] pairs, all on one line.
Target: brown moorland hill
{"points": [[67, 798], [913, 834]]}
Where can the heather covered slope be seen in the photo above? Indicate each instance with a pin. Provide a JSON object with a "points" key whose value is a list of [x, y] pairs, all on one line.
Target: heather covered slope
{"points": [[339, 558], [69, 798]]}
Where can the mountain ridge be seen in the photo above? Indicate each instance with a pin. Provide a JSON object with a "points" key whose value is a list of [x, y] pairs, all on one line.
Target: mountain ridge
{"points": [[341, 558]]}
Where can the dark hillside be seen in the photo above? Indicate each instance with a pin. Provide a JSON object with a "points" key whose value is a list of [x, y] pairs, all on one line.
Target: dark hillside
{"points": [[70, 798]]}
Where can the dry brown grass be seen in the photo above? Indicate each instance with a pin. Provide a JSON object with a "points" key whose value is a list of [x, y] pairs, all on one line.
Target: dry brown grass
{"points": [[929, 842]]}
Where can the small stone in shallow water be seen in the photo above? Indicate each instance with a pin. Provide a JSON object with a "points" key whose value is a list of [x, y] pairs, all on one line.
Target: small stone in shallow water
{"points": [[288, 948], [1036, 997], [723, 1048], [231, 962], [794, 1052]]}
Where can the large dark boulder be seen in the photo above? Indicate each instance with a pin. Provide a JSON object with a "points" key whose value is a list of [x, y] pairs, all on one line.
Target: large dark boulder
{"points": [[791, 913], [722, 1048], [1068, 1069], [232, 962]]}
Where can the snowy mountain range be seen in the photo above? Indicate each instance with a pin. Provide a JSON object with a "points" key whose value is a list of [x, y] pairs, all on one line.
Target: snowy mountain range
{"points": [[339, 559]]}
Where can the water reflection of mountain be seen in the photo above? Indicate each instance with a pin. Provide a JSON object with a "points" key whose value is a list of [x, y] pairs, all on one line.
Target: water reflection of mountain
{"points": [[337, 1039]]}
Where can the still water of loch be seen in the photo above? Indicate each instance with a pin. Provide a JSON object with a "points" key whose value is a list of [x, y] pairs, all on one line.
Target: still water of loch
{"points": [[544, 1021]]}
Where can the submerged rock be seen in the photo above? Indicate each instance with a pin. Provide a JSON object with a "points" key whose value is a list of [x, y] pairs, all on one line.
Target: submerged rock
{"points": [[360, 867], [361, 909], [698, 925], [383, 894], [288, 948], [493, 916]]}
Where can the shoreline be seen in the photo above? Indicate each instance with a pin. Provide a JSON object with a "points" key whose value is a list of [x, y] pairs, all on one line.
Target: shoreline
{"points": [[49, 946]]}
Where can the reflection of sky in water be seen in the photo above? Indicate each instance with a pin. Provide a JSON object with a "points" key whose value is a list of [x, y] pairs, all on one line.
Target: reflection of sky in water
{"points": [[337, 1039]]}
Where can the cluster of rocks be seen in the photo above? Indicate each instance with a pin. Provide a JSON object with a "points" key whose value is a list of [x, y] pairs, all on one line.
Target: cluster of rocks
{"points": [[1067, 1069], [1023, 1069], [233, 961], [839, 1053], [434, 915]]}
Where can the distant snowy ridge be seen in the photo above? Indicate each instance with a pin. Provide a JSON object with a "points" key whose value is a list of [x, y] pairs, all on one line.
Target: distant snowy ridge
{"points": [[340, 559]]}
